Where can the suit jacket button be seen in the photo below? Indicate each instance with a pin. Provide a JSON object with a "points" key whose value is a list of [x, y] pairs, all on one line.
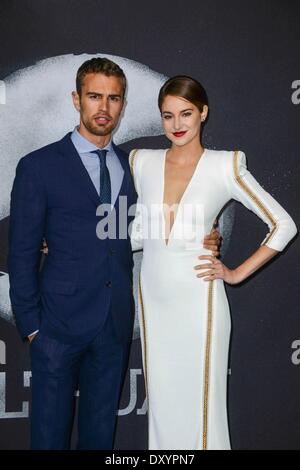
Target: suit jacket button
{"points": [[108, 284]]}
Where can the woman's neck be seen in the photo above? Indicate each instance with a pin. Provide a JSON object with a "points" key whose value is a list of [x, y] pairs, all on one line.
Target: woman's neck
{"points": [[186, 154]]}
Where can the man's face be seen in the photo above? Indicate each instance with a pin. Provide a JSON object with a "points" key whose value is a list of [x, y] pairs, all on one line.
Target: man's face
{"points": [[100, 105]]}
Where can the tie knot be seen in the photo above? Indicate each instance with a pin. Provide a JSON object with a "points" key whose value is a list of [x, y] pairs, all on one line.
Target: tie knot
{"points": [[101, 154]]}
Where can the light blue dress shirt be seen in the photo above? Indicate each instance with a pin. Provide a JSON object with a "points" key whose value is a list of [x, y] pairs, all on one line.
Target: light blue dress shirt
{"points": [[92, 164]]}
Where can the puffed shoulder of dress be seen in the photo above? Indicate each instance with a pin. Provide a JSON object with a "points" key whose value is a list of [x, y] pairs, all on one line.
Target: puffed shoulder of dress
{"points": [[244, 188], [137, 157]]}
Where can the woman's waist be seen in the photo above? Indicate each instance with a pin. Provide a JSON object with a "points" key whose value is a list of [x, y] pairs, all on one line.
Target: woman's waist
{"points": [[174, 251], [172, 264]]}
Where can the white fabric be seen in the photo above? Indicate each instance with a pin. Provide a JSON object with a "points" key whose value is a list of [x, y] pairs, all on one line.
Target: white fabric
{"points": [[174, 304]]}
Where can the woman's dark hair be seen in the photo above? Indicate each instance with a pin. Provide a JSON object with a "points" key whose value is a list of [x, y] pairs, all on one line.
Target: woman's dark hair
{"points": [[99, 65], [186, 87]]}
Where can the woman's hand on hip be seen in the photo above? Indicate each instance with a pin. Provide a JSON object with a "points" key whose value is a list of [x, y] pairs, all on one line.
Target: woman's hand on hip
{"points": [[215, 269]]}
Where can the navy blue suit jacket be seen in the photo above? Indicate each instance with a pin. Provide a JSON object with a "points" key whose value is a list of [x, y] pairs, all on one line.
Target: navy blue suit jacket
{"points": [[83, 277]]}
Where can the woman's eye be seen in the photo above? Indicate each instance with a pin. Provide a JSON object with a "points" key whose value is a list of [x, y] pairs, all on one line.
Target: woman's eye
{"points": [[186, 114], [167, 117]]}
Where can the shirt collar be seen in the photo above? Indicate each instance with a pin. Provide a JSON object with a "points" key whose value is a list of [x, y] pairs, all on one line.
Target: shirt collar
{"points": [[83, 145]]}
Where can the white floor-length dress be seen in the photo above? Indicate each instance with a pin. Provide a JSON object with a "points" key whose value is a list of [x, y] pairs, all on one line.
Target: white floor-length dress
{"points": [[185, 321]]}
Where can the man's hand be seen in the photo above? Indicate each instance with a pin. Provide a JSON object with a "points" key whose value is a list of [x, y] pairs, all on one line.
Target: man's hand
{"points": [[212, 242]]}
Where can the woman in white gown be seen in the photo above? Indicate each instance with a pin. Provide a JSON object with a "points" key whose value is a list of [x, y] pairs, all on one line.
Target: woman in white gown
{"points": [[184, 313]]}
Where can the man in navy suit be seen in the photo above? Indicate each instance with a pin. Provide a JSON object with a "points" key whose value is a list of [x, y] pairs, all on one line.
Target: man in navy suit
{"points": [[78, 311]]}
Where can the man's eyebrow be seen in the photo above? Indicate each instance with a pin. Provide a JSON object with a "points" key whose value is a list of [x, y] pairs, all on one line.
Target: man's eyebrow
{"points": [[100, 94]]}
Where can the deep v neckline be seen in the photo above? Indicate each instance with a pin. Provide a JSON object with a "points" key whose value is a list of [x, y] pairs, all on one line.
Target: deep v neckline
{"points": [[166, 240]]}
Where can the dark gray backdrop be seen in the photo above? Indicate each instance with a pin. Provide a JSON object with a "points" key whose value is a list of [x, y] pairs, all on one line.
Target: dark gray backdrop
{"points": [[246, 54]]}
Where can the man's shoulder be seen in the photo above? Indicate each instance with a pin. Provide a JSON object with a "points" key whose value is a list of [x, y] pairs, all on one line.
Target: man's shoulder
{"points": [[45, 152]]}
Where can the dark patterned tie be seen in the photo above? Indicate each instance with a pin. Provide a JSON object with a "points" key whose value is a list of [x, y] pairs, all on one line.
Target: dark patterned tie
{"points": [[105, 185]]}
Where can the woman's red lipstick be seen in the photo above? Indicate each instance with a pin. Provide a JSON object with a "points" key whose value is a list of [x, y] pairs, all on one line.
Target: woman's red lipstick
{"points": [[179, 134]]}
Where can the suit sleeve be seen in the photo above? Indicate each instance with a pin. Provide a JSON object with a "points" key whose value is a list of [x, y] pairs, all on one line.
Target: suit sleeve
{"points": [[244, 188], [27, 227], [136, 234]]}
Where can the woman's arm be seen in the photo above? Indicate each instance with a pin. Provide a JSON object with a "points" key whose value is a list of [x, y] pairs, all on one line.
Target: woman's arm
{"points": [[218, 270], [243, 187]]}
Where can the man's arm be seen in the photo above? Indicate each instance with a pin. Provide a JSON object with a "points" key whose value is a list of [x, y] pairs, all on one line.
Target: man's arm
{"points": [[27, 226]]}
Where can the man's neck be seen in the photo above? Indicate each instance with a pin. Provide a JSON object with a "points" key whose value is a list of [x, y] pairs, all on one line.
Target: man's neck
{"points": [[98, 140]]}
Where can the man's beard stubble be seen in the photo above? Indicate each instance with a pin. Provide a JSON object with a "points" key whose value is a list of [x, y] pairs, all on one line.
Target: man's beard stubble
{"points": [[97, 130]]}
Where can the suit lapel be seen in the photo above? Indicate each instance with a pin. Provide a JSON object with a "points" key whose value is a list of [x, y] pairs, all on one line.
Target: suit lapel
{"points": [[77, 169], [125, 166], [81, 176]]}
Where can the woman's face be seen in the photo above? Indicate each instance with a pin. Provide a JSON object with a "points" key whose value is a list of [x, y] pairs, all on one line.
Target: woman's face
{"points": [[181, 120]]}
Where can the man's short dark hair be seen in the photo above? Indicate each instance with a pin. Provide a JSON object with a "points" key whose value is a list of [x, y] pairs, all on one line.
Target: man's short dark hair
{"points": [[99, 65]]}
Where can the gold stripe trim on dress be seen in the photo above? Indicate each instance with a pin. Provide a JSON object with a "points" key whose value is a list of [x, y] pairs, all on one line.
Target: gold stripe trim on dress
{"points": [[255, 199], [144, 336], [131, 163], [207, 364]]}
